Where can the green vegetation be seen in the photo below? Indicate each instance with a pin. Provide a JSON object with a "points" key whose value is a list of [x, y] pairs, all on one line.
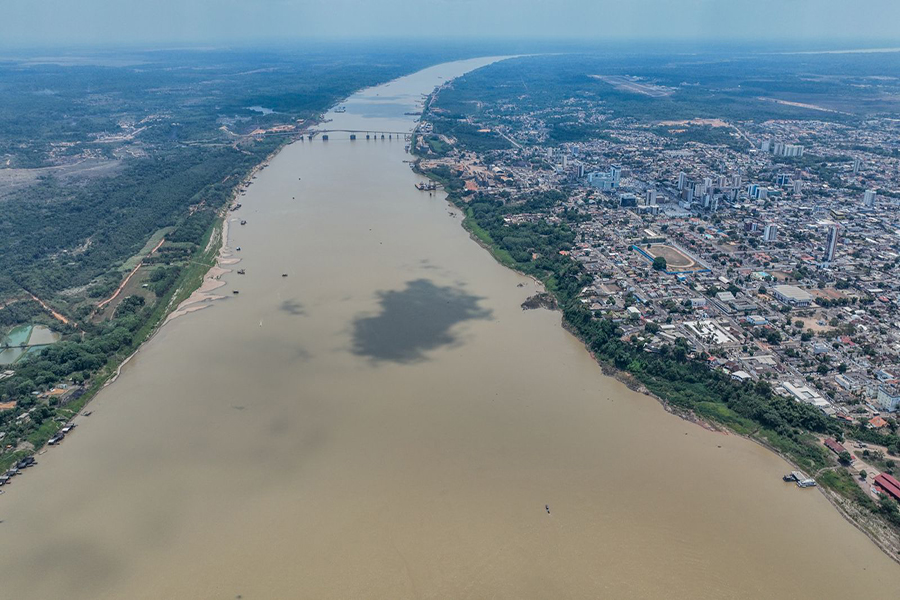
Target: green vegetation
{"points": [[552, 100], [90, 360], [86, 231], [840, 481], [576, 105], [436, 145], [685, 382], [129, 154], [469, 135], [704, 134]]}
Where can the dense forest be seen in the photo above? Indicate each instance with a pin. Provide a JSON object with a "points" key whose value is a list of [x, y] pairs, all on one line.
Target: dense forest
{"points": [[54, 237], [723, 85]]}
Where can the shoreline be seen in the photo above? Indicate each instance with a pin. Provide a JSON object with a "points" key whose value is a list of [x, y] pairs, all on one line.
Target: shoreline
{"points": [[190, 295], [888, 544], [198, 297]]}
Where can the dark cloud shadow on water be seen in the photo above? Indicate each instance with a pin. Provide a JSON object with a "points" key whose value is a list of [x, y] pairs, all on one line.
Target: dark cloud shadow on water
{"points": [[292, 307], [413, 321]]}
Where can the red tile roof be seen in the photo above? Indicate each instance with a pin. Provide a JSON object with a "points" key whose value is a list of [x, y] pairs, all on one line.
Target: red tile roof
{"points": [[890, 485]]}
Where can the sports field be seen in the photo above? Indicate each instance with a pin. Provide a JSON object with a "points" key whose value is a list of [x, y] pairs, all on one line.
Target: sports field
{"points": [[676, 260]]}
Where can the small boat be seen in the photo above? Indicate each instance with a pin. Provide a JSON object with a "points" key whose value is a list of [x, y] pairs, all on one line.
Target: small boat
{"points": [[243, 222], [235, 292], [284, 274], [238, 248], [241, 271], [88, 413]]}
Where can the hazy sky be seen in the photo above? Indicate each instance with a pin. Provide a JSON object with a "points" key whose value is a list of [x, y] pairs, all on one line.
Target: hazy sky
{"points": [[66, 22]]}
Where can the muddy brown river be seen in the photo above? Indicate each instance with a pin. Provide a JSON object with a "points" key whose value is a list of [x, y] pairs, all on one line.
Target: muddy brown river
{"points": [[387, 422]]}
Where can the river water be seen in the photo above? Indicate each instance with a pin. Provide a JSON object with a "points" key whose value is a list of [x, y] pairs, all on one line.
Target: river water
{"points": [[386, 422]]}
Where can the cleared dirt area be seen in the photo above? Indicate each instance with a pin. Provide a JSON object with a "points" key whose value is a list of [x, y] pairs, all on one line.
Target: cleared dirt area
{"points": [[133, 287], [813, 323], [700, 122], [633, 85], [16, 179]]}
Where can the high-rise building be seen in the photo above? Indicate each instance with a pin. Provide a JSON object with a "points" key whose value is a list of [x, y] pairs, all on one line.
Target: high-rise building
{"points": [[782, 149], [682, 180], [831, 243], [857, 163], [707, 184], [605, 181], [770, 232], [651, 198], [615, 172], [869, 198], [765, 145], [798, 185], [580, 171]]}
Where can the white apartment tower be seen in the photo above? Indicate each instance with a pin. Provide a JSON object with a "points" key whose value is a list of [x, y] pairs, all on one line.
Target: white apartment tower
{"points": [[831, 243], [869, 198]]}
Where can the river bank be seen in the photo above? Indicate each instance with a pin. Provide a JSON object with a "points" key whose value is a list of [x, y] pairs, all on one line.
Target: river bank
{"points": [[187, 294], [200, 295], [886, 538], [388, 422]]}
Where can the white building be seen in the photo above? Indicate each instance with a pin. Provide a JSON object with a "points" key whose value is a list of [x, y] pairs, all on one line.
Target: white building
{"points": [[605, 181], [804, 393], [889, 398], [831, 243], [792, 295], [869, 198]]}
